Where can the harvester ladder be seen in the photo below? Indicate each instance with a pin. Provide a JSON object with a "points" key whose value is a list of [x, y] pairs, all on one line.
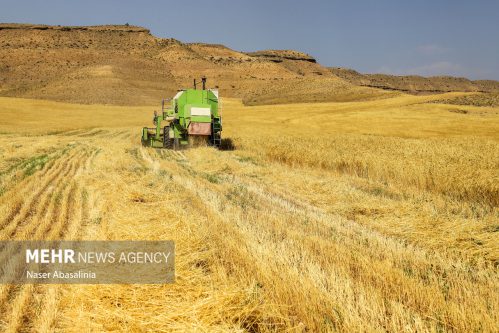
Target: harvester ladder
{"points": [[216, 127], [216, 137]]}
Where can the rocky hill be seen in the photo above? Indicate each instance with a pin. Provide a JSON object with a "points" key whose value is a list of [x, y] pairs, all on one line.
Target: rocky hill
{"points": [[128, 65], [121, 64], [415, 84]]}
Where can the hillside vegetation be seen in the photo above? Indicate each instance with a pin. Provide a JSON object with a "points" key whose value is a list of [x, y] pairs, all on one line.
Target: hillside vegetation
{"points": [[378, 215]]}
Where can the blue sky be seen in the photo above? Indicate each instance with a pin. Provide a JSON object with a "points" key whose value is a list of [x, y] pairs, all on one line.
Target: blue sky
{"points": [[436, 37]]}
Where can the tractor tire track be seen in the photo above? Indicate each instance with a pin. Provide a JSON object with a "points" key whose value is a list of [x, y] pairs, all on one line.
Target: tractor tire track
{"points": [[77, 213], [45, 197], [22, 206], [27, 229], [45, 297], [21, 189], [33, 229], [67, 220], [62, 218]]}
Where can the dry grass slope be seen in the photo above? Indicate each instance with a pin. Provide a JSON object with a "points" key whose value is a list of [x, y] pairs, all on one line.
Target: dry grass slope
{"points": [[124, 65], [379, 215]]}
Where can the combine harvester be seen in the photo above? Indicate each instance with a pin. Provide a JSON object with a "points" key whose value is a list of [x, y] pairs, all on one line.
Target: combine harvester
{"points": [[194, 116]]}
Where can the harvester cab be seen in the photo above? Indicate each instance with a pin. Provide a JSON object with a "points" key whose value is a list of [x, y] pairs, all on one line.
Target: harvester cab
{"points": [[192, 115]]}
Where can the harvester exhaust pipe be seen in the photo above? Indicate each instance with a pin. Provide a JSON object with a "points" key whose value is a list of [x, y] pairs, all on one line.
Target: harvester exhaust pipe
{"points": [[203, 81]]}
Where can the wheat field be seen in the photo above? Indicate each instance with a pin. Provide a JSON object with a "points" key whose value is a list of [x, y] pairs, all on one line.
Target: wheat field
{"points": [[352, 217]]}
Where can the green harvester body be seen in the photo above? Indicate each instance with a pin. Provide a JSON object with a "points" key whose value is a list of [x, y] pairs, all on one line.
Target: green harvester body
{"points": [[192, 113]]}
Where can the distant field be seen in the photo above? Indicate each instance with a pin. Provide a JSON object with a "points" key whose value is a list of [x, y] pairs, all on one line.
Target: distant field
{"points": [[487, 99], [379, 215], [20, 115]]}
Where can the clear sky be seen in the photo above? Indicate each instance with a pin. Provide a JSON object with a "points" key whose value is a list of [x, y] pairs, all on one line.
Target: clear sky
{"points": [[423, 37]]}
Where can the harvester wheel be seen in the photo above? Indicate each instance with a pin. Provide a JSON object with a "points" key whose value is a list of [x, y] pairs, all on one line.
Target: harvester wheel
{"points": [[167, 142]]}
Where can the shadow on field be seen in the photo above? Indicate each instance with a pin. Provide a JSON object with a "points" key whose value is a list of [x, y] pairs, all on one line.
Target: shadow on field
{"points": [[227, 144]]}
